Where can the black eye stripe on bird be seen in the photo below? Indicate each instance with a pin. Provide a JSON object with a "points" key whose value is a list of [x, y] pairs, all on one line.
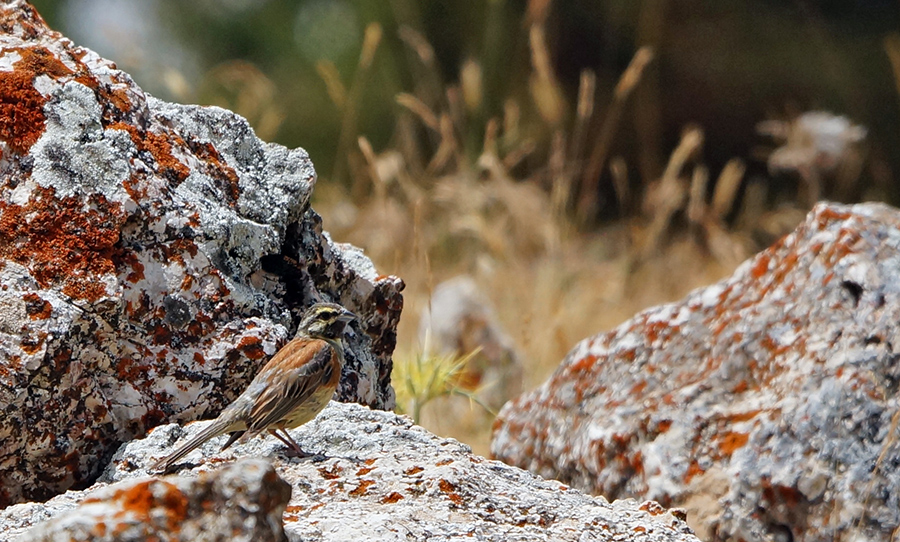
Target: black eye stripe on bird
{"points": [[290, 390]]}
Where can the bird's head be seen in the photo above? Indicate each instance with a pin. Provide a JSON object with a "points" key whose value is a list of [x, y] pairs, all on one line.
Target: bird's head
{"points": [[325, 321]]}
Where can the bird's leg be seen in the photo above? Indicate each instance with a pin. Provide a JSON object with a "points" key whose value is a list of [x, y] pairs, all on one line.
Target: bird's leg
{"points": [[294, 449]]}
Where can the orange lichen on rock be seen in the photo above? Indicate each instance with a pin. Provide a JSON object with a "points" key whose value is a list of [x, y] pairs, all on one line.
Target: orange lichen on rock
{"points": [[138, 502], [252, 347], [128, 370], [693, 470], [25, 16], [653, 508], [730, 442], [21, 109], [36, 307], [362, 488], [22, 106], [743, 416], [41, 61], [219, 169], [446, 485], [137, 268], [391, 498], [61, 242], [32, 344], [332, 473], [831, 214], [160, 149], [584, 364], [450, 489]]}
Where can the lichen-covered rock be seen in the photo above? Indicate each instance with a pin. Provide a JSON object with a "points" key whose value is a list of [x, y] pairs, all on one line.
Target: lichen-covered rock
{"points": [[383, 478], [243, 501], [152, 257], [771, 396]]}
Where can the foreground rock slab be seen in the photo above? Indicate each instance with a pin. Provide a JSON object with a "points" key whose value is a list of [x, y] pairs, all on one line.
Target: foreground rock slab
{"points": [[242, 501], [152, 257], [765, 404], [382, 478]]}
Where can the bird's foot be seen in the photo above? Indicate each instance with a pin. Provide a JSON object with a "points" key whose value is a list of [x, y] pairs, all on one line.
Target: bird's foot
{"points": [[297, 453]]}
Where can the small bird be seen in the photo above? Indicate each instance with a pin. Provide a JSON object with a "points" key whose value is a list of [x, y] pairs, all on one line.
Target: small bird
{"points": [[290, 390]]}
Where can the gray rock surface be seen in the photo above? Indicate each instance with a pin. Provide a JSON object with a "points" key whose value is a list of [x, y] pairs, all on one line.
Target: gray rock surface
{"points": [[243, 501], [765, 404], [383, 478], [152, 257]]}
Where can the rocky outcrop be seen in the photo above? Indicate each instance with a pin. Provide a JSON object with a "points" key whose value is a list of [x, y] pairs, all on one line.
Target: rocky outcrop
{"points": [[382, 478], [243, 501], [765, 404], [152, 257]]}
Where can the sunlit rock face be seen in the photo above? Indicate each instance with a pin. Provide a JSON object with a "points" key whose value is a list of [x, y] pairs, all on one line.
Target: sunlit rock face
{"points": [[152, 257], [380, 477], [765, 404]]}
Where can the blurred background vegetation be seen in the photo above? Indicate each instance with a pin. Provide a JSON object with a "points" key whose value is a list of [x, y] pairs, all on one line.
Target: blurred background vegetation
{"points": [[578, 160]]}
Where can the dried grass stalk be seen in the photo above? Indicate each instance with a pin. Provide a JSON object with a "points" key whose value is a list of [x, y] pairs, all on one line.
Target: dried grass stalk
{"points": [[456, 109], [518, 154], [333, 85], [371, 40], [447, 149], [537, 11], [472, 86], [727, 187], [669, 195], [417, 43], [372, 167], [418, 108], [696, 210], [584, 111], [545, 90], [561, 182], [591, 178], [618, 168], [490, 137], [512, 113]]}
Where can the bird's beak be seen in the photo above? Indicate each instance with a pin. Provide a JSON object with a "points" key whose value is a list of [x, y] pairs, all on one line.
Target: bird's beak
{"points": [[347, 316]]}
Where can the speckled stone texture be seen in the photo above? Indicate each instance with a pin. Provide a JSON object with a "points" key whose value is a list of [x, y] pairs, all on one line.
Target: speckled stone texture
{"points": [[244, 501], [765, 404], [152, 257], [385, 479]]}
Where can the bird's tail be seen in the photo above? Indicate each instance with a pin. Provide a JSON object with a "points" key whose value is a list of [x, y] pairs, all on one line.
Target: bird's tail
{"points": [[221, 425]]}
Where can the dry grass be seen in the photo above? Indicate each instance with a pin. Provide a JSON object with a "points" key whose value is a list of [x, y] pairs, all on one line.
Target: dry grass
{"points": [[427, 211], [510, 201], [422, 378]]}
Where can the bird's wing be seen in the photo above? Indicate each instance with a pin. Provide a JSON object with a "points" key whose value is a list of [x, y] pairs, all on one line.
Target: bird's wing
{"points": [[297, 370]]}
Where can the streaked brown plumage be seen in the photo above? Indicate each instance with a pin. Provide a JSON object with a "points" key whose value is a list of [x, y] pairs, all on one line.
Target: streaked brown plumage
{"points": [[290, 390]]}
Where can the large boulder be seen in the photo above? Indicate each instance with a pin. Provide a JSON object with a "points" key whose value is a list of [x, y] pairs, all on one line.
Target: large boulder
{"points": [[152, 257], [765, 404], [381, 478]]}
